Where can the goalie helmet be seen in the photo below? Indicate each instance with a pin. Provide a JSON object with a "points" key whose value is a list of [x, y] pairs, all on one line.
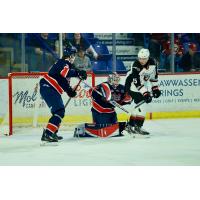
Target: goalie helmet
{"points": [[143, 54], [114, 79]]}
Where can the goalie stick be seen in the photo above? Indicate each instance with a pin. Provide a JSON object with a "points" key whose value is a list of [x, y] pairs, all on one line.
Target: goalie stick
{"points": [[114, 103]]}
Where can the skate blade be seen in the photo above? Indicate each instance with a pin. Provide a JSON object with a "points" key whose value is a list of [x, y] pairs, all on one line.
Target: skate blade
{"points": [[139, 136], [45, 143], [126, 133]]}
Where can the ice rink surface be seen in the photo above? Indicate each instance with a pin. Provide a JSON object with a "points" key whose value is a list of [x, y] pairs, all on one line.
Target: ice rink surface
{"points": [[172, 143]]}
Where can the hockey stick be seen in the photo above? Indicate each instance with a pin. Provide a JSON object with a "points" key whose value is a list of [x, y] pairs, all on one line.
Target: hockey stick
{"points": [[74, 90], [119, 106], [114, 103], [139, 104]]}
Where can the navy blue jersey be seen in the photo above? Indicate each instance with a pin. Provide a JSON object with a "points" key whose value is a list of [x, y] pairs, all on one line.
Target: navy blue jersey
{"points": [[59, 74], [108, 92]]}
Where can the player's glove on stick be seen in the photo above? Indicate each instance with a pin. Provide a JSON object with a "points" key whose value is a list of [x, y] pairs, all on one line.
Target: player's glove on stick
{"points": [[71, 92], [156, 92], [147, 97], [82, 74]]}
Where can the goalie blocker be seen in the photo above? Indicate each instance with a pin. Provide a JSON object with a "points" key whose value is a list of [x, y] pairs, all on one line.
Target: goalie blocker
{"points": [[99, 130]]}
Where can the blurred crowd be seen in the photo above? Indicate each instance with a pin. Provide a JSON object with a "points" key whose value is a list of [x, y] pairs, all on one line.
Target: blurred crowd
{"points": [[186, 51], [47, 50], [43, 49]]}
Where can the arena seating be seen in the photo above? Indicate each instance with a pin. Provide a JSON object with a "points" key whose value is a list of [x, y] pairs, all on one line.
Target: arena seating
{"points": [[89, 36], [120, 67], [53, 36], [100, 67], [100, 48]]}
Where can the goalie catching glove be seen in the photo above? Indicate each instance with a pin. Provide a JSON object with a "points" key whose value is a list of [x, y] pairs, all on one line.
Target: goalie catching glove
{"points": [[82, 74]]}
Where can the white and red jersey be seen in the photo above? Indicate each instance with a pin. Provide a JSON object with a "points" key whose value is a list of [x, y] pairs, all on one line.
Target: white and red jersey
{"points": [[138, 76]]}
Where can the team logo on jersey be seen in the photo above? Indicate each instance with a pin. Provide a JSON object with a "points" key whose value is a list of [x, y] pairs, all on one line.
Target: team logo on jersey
{"points": [[138, 69], [116, 97], [146, 77], [135, 80]]}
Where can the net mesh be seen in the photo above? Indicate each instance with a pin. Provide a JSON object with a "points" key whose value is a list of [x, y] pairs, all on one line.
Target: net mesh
{"points": [[26, 108]]}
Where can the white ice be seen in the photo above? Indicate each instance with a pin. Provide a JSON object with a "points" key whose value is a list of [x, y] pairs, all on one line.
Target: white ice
{"points": [[172, 143]]}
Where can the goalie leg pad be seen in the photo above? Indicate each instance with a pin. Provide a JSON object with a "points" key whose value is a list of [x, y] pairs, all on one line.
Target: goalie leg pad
{"points": [[100, 130], [104, 118]]}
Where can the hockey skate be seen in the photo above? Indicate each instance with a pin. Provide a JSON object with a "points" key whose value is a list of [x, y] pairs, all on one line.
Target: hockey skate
{"points": [[129, 130], [79, 131], [58, 136], [136, 131], [48, 138], [76, 133], [139, 130]]}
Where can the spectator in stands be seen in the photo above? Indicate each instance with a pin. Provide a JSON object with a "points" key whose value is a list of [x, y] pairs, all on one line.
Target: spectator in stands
{"points": [[191, 60], [65, 43], [79, 41], [184, 37], [178, 53], [43, 52], [81, 61], [156, 41], [40, 47], [196, 37]]}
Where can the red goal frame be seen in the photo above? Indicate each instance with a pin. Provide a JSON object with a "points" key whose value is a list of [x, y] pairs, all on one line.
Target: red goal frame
{"points": [[10, 86]]}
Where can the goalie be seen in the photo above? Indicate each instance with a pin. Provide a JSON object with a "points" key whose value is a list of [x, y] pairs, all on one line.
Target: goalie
{"points": [[103, 112]]}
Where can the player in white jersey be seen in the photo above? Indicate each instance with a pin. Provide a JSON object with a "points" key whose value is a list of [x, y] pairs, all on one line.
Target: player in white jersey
{"points": [[143, 73]]}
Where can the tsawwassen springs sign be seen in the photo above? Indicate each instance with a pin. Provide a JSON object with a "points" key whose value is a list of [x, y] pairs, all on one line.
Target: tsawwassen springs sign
{"points": [[179, 93]]}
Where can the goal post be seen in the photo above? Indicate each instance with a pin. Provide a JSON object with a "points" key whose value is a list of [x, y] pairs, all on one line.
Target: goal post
{"points": [[20, 93], [26, 108]]}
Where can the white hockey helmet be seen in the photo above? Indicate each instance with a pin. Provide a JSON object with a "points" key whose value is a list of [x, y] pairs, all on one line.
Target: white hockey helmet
{"points": [[143, 53], [114, 79]]}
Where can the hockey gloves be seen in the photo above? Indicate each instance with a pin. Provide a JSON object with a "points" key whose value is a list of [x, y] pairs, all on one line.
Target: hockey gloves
{"points": [[156, 92], [71, 92], [147, 97], [126, 100], [82, 74]]}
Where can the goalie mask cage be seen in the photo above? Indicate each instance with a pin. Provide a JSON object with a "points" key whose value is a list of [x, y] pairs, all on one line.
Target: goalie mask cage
{"points": [[26, 108]]}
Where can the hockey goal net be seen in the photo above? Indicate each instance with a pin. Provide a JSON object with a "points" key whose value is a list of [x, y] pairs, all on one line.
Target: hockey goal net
{"points": [[26, 108]]}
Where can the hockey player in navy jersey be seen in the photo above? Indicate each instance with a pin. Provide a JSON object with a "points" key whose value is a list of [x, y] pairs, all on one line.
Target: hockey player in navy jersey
{"points": [[105, 122], [53, 85], [143, 73], [102, 111]]}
